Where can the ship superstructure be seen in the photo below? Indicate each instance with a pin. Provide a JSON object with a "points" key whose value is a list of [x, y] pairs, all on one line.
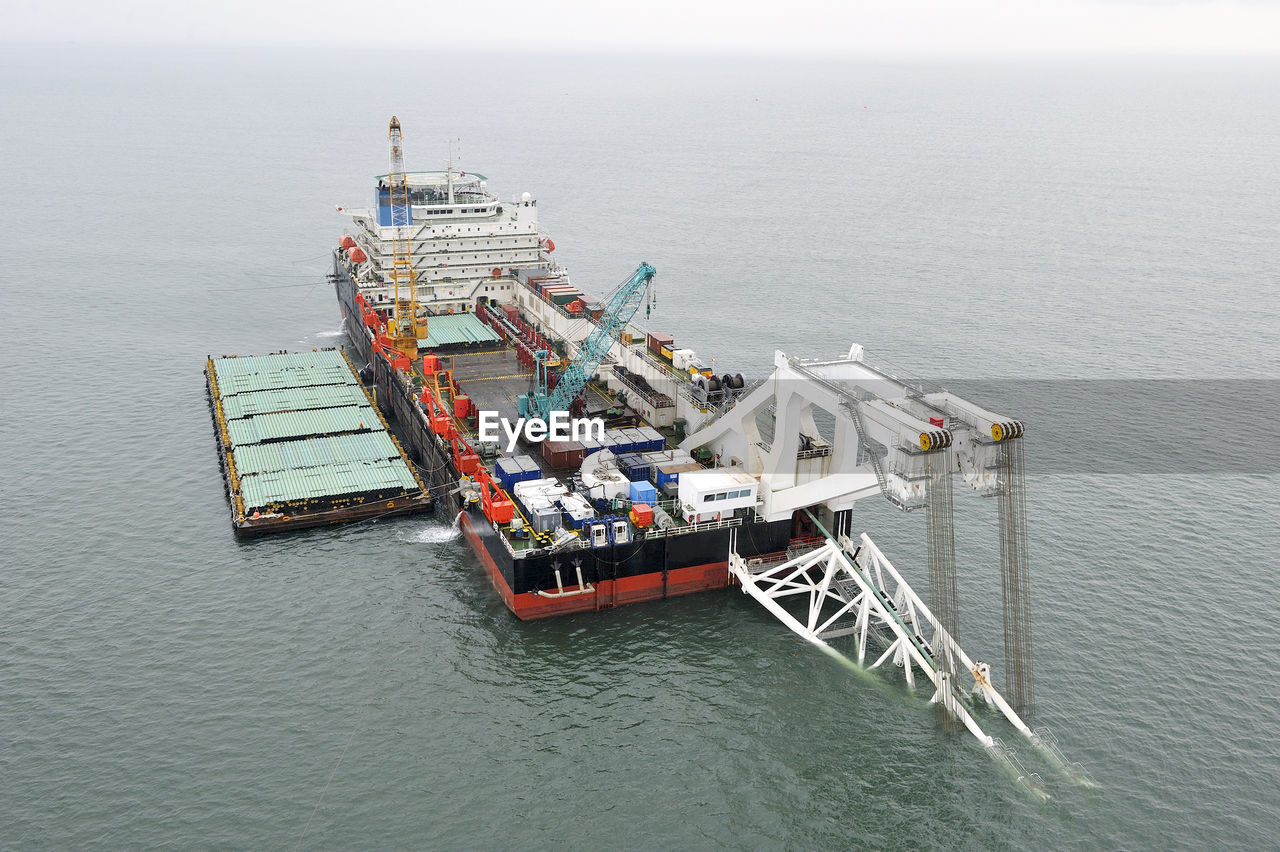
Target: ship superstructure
{"points": [[463, 242]]}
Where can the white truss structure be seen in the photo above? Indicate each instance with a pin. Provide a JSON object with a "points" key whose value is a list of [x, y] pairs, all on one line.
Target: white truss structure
{"points": [[856, 591]]}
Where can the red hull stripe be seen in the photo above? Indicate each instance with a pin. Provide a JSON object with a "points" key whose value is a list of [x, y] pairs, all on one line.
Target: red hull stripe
{"points": [[608, 593]]}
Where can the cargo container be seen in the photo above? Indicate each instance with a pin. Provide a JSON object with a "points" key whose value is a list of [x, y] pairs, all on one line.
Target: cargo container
{"points": [[577, 510], [547, 488], [641, 515], [627, 440], [530, 467], [563, 296], [534, 495], [635, 467], [638, 439], [563, 454], [513, 469], [508, 472], [545, 518], [657, 340], [682, 358], [671, 471], [644, 492], [653, 439]]}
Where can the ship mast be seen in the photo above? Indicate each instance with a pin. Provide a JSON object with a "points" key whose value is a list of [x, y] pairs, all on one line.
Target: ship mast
{"points": [[449, 171], [405, 327]]}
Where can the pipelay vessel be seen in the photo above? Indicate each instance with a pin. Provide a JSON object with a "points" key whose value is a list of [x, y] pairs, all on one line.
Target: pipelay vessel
{"points": [[697, 481]]}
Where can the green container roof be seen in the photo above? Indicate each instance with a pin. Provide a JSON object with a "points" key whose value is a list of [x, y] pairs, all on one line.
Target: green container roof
{"points": [[301, 427], [452, 329], [269, 372], [314, 452], [335, 480], [251, 403], [303, 424]]}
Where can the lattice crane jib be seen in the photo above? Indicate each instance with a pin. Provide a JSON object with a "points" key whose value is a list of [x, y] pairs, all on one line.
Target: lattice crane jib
{"points": [[620, 308], [407, 327]]}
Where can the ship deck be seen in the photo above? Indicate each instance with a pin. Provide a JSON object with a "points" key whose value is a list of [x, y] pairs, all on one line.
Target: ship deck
{"points": [[493, 379]]}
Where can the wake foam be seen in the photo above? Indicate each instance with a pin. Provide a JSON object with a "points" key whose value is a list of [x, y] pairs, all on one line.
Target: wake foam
{"points": [[435, 534]]}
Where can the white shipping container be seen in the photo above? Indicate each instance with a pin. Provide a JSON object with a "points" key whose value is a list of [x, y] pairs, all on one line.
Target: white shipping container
{"points": [[682, 358]]}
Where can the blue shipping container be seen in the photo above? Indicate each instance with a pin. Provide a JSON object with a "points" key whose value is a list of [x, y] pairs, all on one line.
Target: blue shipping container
{"points": [[644, 492], [529, 468], [650, 439], [639, 441], [635, 467], [509, 472], [618, 441]]}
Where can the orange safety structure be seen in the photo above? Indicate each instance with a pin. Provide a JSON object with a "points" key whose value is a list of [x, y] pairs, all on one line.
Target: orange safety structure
{"points": [[493, 501]]}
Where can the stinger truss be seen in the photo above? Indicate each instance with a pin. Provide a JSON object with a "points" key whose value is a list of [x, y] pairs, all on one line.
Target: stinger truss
{"points": [[840, 589]]}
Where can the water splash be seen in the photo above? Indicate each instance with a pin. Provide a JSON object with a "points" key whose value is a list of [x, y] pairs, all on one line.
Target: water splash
{"points": [[437, 533]]}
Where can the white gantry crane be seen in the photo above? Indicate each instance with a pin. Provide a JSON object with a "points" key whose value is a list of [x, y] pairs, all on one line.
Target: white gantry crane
{"points": [[905, 442]]}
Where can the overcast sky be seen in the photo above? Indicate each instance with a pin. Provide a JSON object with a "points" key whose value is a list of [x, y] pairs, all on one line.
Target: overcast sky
{"points": [[851, 28]]}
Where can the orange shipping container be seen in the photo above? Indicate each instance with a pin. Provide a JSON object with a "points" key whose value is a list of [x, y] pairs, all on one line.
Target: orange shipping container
{"points": [[642, 515]]}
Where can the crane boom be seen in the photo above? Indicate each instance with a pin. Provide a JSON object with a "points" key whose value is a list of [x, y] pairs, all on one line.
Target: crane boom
{"points": [[405, 326], [622, 306]]}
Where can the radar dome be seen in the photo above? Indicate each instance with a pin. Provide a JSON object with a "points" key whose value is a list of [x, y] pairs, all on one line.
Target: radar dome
{"points": [[524, 196]]}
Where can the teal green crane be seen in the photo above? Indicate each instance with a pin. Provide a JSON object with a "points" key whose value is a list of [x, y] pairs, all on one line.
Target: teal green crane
{"points": [[622, 305]]}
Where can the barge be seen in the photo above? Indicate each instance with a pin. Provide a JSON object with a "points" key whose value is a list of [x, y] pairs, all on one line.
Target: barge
{"points": [[301, 444]]}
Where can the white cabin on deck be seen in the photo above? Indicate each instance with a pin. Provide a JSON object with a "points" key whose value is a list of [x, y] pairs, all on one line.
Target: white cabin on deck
{"points": [[709, 495]]}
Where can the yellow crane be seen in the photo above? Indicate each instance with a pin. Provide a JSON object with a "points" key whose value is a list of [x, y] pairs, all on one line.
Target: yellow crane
{"points": [[407, 328]]}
